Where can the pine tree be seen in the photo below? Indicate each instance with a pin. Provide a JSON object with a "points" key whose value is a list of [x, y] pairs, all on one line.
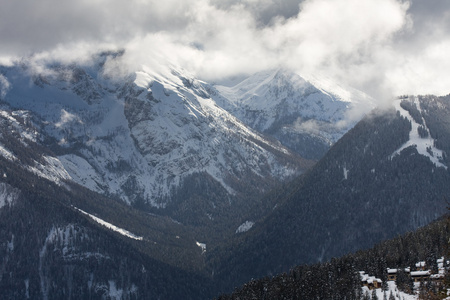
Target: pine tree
{"points": [[391, 296], [374, 294], [366, 296]]}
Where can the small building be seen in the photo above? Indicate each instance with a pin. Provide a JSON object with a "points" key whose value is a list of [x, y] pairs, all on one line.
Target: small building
{"points": [[392, 274], [371, 282], [420, 266], [438, 278], [419, 276], [440, 263]]}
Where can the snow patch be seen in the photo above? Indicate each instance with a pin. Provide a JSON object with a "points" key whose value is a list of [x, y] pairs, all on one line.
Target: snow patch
{"points": [[7, 154], [424, 146], [112, 227], [202, 246], [52, 170], [27, 288], [346, 173], [244, 227], [114, 292], [81, 172], [8, 194], [10, 245]]}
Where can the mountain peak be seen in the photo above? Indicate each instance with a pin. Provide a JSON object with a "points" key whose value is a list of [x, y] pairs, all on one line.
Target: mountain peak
{"points": [[300, 113]]}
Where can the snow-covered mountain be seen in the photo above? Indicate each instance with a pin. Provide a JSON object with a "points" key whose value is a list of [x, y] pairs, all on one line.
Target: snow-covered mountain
{"points": [[308, 116], [140, 137], [161, 140]]}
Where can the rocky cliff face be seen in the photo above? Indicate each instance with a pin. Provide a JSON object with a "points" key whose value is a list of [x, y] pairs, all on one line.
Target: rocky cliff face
{"points": [[141, 137]]}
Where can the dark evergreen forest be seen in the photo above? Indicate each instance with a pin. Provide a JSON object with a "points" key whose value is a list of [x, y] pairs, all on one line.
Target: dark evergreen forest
{"points": [[339, 278]]}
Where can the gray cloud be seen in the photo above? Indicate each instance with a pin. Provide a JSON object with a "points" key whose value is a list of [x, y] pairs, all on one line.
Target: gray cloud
{"points": [[383, 47]]}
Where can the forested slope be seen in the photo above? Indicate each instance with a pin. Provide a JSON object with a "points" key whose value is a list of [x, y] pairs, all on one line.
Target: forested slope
{"points": [[360, 193], [339, 278]]}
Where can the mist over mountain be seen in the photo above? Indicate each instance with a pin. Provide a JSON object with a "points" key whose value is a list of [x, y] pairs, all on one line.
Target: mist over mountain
{"points": [[306, 116], [178, 149], [146, 136]]}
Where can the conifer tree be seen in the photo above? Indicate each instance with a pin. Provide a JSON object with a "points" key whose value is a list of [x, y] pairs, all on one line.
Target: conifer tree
{"points": [[374, 294], [391, 296]]}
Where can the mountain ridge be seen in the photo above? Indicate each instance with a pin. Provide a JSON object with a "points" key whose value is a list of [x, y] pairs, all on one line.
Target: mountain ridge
{"points": [[301, 114], [166, 121]]}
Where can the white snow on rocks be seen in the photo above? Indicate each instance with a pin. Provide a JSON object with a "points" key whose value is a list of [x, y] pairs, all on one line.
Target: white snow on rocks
{"points": [[8, 195], [244, 227], [346, 173], [322, 108], [111, 226], [202, 246], [81, 171], [52, 170], [7, 154]]}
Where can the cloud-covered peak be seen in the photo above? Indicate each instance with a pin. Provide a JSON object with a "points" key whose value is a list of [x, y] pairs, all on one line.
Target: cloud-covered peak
{"points": [[384, 47]]}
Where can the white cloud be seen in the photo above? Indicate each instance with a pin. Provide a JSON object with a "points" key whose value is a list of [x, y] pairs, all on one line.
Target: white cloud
{"points": [[423, 72], [4, 86], [384, 47]]}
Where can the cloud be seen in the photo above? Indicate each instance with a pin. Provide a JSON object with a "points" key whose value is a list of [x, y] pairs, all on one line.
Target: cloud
{"points": [[383, 47], [4, 86]]}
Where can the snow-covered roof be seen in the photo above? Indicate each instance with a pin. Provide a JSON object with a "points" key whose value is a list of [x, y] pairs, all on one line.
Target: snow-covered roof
{"points": [[369, 279], [420, 273], [392, 271]]}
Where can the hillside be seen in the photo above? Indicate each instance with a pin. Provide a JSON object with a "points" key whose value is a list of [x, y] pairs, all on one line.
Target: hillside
{"points": [[52, 249], [340, 278], [369, 187]]}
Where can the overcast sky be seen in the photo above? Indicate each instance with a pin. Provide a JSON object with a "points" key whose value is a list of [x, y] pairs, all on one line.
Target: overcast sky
{"points": [[383, 47]]}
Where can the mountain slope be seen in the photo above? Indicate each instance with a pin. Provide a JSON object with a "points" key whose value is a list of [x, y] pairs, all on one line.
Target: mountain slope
{"points": [[52, 249], [145, 137], [363, 191], [340, 279], [306, 117]]}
